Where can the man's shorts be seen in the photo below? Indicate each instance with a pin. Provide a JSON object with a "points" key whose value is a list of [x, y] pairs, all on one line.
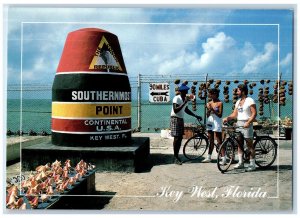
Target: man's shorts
{"points": [[176, 126], [247, 132]]}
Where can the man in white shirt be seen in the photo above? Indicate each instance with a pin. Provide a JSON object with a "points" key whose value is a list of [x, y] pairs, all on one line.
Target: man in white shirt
{"points": [[245, 112], [179, 107]]}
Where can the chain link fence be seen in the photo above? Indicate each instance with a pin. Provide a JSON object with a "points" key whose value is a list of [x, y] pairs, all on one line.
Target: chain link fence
{"points": [[29, 107], [273, 98]]}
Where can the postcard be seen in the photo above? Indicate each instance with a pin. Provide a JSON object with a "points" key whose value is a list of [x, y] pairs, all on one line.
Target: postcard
{"points": [[149, 109]]}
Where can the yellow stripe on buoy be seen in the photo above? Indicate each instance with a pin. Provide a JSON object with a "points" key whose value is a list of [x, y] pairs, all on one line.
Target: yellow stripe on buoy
{"points": [[77, 110]]}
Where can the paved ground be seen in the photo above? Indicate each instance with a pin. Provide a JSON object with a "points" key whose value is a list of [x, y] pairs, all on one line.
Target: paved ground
{"points": [[193, 186]]}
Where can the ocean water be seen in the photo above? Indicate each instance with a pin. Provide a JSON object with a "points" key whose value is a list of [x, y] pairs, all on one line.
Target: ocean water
{"points": [[36, 114]]}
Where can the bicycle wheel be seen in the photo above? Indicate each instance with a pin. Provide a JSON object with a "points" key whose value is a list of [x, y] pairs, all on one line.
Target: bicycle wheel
{"points": [[265, 151], [195, 147], [228, 149]]}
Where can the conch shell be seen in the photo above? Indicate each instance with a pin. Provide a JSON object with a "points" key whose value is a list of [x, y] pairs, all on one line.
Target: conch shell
{"points": [[34, 203], [44, 197]]}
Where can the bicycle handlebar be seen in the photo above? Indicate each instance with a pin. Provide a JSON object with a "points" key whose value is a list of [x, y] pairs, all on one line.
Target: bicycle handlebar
{"points": [[228, 126]]}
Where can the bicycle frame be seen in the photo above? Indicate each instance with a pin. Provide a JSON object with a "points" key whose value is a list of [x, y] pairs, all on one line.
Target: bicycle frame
{"points": [[204, 133]]}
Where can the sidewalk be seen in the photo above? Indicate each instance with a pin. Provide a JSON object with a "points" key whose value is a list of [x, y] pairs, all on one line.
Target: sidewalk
{"points": [[193, 186]]}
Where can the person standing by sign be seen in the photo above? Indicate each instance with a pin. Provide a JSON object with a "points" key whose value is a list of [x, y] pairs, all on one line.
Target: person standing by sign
{"points": [[179, 107], [214, 121], [245, 112]]}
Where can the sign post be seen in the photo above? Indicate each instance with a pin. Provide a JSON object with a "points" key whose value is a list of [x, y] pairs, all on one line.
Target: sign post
{"points": [[159, 92]]}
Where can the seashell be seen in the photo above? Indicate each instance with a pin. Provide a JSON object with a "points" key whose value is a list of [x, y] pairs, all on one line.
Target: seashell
{"points": [[19, 203], [282, 98], [34, 203], [38, 177], [77, 168], [30, 196], [65, 184], [60, 188], [44, 185], [49, 190], [13, 190], [72, 181], [59, 170], [177, 81], [49, 173], [42, 168], [50, 181], [33, 183], [11, 200], [56, 164], [44, 197], [65, 174], [25, 183], [68, 163], [283, 83], [59, 181], [91, 167], [36, 189], [23, 206], [77, 176], [56, 178], [43, 174]]}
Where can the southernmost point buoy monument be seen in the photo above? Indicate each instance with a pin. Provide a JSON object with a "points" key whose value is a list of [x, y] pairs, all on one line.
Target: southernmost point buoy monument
{"points": [[91, 107], [91, 94]]}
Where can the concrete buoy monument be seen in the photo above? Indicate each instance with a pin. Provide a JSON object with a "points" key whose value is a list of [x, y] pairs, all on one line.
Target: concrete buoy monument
{"points": [[91, 94], [91, 108]]}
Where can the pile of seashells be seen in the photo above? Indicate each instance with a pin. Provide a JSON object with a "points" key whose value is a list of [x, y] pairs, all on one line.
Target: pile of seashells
{"points": [[47, 181]]}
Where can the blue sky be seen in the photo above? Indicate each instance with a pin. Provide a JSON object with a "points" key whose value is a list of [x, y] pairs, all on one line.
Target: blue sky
{"points": [[156, 40]]}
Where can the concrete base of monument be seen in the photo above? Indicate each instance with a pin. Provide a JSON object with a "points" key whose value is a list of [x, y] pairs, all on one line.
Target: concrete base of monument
{"points": [[132, 158]]}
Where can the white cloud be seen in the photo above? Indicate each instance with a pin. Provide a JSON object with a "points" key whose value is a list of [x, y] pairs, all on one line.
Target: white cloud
{"points": [[261, 59], [248, 51], [287, 60], [214, 47], [219, 54]]}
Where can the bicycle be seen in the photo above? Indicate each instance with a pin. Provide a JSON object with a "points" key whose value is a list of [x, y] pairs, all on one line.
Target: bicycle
{"points": [[265, 149], [197, 145]]}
